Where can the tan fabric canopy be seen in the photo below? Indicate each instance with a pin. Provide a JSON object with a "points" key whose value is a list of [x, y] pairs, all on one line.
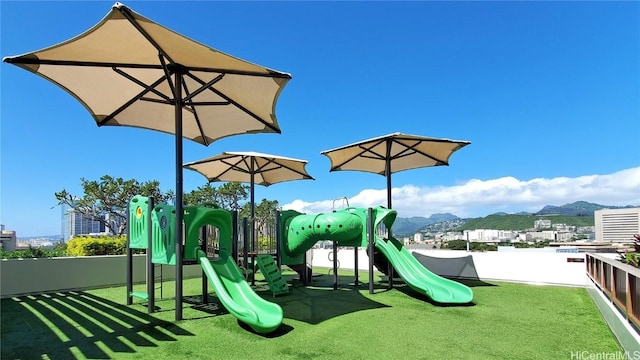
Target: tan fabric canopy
{"points": [[121, 71], [250, 167], [392, 153], [253, 168]]}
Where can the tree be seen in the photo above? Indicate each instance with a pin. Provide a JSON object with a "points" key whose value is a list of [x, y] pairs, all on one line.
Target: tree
{"points": [[265, 219], [231, 194], [457, 245], [206, 194], [110, 196], [227, 196]]}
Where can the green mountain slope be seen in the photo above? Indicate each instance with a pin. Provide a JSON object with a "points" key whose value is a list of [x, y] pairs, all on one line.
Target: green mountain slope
{"points": [[577, 208], [409, 226]]}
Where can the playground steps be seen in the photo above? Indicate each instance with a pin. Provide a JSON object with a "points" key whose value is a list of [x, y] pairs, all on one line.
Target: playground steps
{"points": [[272, 274]]}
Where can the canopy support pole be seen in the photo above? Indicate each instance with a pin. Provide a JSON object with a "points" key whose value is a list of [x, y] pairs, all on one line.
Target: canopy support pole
{"points": [[253, 224], [179, 210], [387, 173]]}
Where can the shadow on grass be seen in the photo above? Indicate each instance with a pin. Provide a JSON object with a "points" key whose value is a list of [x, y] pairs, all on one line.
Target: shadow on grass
{"points": [[71, 324], [283, 329], [212, 306], [472, 282], [319, 302], [401, 286]]}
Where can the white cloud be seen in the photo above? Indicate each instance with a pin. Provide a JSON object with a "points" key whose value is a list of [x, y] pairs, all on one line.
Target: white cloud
{"points": [[476, 198]]}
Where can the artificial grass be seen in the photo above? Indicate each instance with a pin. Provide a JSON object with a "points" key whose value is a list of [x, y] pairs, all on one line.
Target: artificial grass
{"points": [[506, 321]]}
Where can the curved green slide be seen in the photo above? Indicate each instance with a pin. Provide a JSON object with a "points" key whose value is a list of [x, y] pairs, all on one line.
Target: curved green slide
{"points": [[419, 278], [237, 296]]}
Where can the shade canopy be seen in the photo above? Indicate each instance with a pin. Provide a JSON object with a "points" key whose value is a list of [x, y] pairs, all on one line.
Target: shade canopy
{"points": [[253, 168], [130, 71], [392, 153], [122, 71], [250, 167]]}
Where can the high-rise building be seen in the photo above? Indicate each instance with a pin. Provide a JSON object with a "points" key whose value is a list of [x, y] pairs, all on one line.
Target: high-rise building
{"points": [[75, 223], [617, 225]]}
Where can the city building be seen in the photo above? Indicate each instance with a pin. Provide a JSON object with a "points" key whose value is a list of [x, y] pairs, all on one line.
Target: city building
{"points": [[75, 223], [7, 239], [541, 235], [542, 224], [617, 225], [450, 236], [490, 235]]}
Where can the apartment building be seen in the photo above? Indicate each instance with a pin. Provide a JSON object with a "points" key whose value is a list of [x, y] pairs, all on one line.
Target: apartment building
{"points": [[490, 235], [542, 224], [75, 224], [617, 225]]}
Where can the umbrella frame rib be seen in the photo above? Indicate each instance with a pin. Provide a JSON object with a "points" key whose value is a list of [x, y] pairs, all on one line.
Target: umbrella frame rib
{"points": [[34, 61]]}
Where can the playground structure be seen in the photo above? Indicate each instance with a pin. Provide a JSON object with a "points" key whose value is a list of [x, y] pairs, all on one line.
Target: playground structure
{"points": [[151, 227]]}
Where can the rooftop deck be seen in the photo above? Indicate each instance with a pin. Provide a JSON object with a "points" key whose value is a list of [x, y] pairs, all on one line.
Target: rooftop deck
{"points": [[506, 321]]}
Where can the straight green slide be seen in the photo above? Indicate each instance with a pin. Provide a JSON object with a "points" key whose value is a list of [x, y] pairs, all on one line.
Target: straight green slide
{"points": [[419, 278], [236, 294]]}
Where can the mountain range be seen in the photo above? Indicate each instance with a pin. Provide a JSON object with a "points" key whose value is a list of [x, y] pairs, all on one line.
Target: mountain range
{"points": [[578, 208], [408, 226]]}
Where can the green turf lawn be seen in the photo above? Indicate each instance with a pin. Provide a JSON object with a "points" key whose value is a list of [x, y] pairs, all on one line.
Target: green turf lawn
{"points": [[506, 321]]}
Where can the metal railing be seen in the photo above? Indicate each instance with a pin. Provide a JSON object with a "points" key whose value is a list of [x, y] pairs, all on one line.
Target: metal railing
{"points": [[619, 282]]}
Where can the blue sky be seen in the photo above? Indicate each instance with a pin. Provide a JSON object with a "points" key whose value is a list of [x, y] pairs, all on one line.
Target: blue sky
{"points": [[548, 93]]}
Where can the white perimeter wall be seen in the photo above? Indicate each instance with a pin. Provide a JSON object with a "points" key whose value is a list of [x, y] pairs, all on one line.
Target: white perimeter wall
{"points": [[513, 266], [27, 276]]}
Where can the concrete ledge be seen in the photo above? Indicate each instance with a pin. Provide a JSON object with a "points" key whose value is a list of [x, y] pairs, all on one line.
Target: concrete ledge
{"points": [[32, 276]]}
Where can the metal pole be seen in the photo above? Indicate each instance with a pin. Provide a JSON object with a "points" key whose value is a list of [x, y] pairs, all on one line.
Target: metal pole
{"points": [[370, 246], [234, 236], [245, 245], [335, 266], [305, 273], [253, 204], [355, 261], [278, 241], [203, 247], [253, 230], [387, 173], [151, 276], [179, 211], [467, 240], [129, 258]]}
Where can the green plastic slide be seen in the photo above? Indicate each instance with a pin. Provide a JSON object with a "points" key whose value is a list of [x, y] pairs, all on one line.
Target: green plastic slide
{"points": [[237, 296], [419, 278]]}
